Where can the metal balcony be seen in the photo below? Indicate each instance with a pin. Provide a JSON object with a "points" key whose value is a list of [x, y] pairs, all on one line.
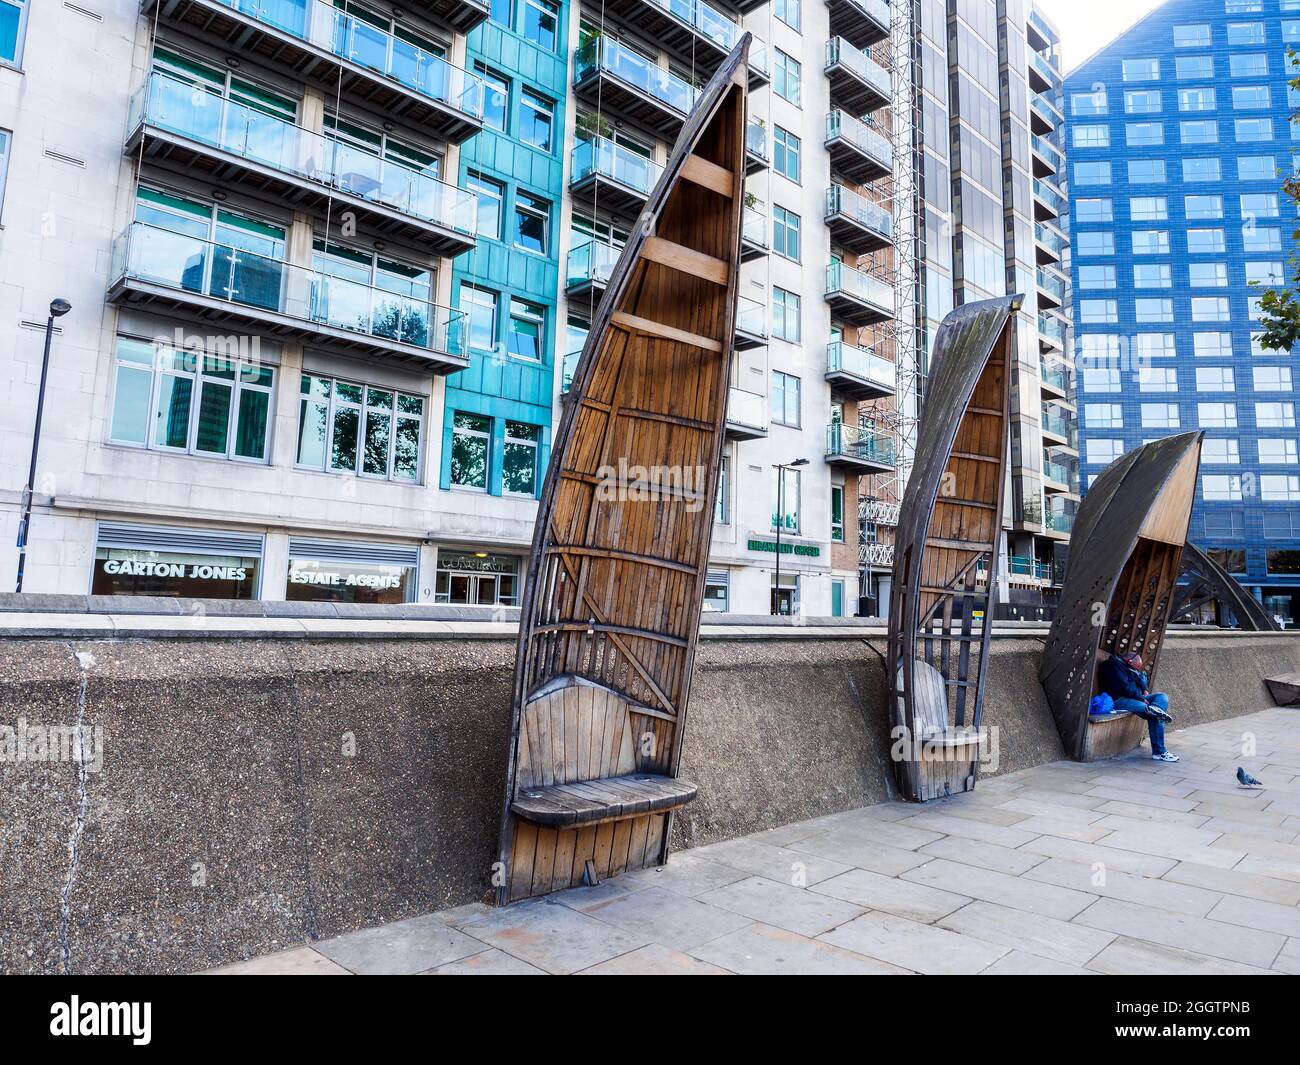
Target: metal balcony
{"points": [[223, 284], [754, 240], [1059, 429], [1043, 77], [751, 324], [1050, 244], [324, 45], [1052, 289], [856, 297], [859, 153], [1054, 379], [177, 123], [590, 266], [1048, 159], [610, 76], [1049, 203], [746, 414], [1059, 479], [855, 222], [860, 22], [1044, 116], [1051, 333], [605, 173], [858, 83], [758, 150], [858, 373], [857, 449]]}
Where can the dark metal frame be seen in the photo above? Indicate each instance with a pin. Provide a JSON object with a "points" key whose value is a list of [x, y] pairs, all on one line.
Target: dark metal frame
{"points": [[1204, 581]]}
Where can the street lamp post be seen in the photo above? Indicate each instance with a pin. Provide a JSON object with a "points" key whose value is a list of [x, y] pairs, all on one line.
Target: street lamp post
{"points": [[58, 308], [780, 517]]}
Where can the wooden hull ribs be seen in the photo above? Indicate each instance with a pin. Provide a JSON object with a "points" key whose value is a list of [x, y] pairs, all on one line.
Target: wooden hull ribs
{"points": [[945, 554], [1125, 559], [611, 610]]}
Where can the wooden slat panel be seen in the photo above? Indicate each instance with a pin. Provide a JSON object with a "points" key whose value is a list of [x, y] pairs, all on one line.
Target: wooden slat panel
{"points": [[686, 260]]}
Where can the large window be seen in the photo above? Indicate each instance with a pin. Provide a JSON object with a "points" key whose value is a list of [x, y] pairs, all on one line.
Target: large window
{"points": [[1275, 415], [785, 315], [786, 150], [1094, 210], [1092, 173], [1199, 131], [527, 329], [1160, 416], [1278, 451], [519, 459], [536, 120], [1203, 206], [1200, 98], [471, 443], [1245, 33], [1204, 168], [1214, 379], [1248, 65], [1221, 487], [190, 402], [787, 77], [789, 12], [1099, 243], [532, 222], [1220, 452], [1152, 275], [1207, 275], [1148, 208], [1144, 134], [785, 509], [1272, 378], [1096, 277], [496, 98], [490, 195], [1150, 242], [785, 399], [1091, 136], [1256, 168], [1249, 130], [1216, 415], [1089, 103], [1193, 67], [541, 17], [785, 233], [1141, 69], [1142, 102], [1157, 310], [5, 140], [1146, 171], [1250, 98], [1259, 205], [480, 307], [13, 28], [345, 427]]}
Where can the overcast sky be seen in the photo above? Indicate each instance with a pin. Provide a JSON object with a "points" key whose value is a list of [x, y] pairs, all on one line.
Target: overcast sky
{"points": [[1087, 25]]}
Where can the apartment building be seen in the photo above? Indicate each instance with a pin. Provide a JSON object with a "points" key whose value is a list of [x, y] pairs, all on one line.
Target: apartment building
{"points": [[1180, 135]]}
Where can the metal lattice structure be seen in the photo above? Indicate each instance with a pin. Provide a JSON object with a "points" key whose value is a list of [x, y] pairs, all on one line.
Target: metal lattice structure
{"points": [[1125, 558], [940, 618], [1204, 581]]}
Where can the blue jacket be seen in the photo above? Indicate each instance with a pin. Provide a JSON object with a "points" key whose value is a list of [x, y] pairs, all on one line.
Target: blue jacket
{"points": [[1120, 681]]}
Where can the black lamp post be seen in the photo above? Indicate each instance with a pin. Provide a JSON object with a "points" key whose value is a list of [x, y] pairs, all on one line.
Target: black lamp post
{"points": [[58, 308], [780, 517]]}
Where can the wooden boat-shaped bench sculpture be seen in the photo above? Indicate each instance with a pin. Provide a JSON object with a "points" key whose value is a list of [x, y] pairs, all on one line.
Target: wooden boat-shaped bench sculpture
{"points": [[611, 611], [1204, 581], [945, 553], [1125, 557]]}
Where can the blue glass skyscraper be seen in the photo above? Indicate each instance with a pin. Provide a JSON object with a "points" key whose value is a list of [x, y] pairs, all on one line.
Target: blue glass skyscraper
{"points": [[1179, 139]]}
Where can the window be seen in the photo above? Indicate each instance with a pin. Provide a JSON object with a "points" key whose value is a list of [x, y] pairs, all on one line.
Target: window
{"points": [[837, 513], [786, 149], [1203, 206], [1155, 345], [1261, 238], [13, 29], [1256, 168], [1193, 67], [785, 233], [1146, 171], [717, 588], [190, 401], [532, 222], [785, 500], [785, 315], [480, 307], [788, 74], [1245, 33], [496, 98], [1203, 169], [526, 330], [1150, 242], [1088, 103], [541, 18], [785, 399], [1279, 488], [490, 195], [1216, 415], [1148, 208], [1210, 309], [1259, 205], [1160, 416], [1194, 35], [519, 459], [1103, 415], [1157, 379], [1198, 99], [1264, 273], [1275, 415], [1248, 65], [1102, 452], [1141, 69], [1214, 379], [1096, 277], [1253, 129], [1099, 347], [536, 119], [1097, 173], [1220, 487], [345, 427], [1290, 31], [501, 11], [1153, 310], [1142, 102], [1272, 379], [1101, 379], [1093, 210], [1152, 275], [1250, 97], [722, 509], [1098, 311], [1277, 451], [1200, 131], [1086, 243], [1144, 134], [790, 12], [1207, 275], [1205, 242], [4, 166], [1219, 451], [1212, 345], [471, 441], [1092, 136]]}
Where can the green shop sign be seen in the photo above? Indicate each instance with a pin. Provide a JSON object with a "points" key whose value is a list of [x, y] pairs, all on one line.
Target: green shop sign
{"points": [[786, 548]]}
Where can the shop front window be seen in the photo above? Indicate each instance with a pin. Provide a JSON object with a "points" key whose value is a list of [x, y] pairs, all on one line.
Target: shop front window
{"points": [[477, 578], [125, 571], [350, 581]]}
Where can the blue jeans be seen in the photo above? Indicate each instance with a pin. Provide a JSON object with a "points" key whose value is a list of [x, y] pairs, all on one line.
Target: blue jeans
{"points": [[1155, 726]]}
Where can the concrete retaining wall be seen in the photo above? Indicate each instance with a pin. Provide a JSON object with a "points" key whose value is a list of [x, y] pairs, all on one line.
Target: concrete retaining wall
{"points": [[255, 793]]}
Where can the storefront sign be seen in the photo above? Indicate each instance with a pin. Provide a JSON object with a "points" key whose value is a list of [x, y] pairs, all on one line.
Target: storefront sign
{"points": [[120, 571], [787, 548], [349, 582], [187, 571]]}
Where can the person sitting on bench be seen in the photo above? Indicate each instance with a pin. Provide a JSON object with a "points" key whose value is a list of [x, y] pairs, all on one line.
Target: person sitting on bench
{"points": [[1123, 678]]}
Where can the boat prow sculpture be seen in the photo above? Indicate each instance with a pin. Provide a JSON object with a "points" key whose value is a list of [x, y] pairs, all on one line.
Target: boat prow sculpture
{"points": [[945, 553], [611, 610], [1125, 557], [1204, 581]]}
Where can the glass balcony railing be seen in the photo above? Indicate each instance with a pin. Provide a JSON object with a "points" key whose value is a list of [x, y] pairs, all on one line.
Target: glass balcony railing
{"points": [[1046, 109], [1052, 284], [591, 263], [756, 140], [1050, 239], [1040, 24], [841, 125], [754, 227], [1048, 151], [862, 363], [634, 70], [746, 408], [855, 442], [840, 53], [849, 204], [333, 29], [842, 278], [568, 368], [1054, 376], [1049, 73], [1061, 521], [609, 160], [260, 285], [182, 108], [876, 10], [1053, 329], [751, 317], [1051, 196], [713, 24], [1058, 425], [1019, 566], [1059, 473]]}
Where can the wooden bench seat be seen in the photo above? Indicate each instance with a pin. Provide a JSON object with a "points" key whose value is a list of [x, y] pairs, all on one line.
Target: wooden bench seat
{"points": [[591, 802]]}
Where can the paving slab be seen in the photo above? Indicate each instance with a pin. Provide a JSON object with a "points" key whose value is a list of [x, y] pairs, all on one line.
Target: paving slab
{"points": [[655, 960], [985, 855], [657, 915], [1115, 884], [1197, 934], [862, 853], [689, 873], [1030, 933], [783, 864], [402, 948], [1031, 896], [1288, 961], [889, 894], [796, 909], [910, 944], [1094, 853], [1134, 957], [761, 950], [1252, 913], [300, 961], [491, 962]]}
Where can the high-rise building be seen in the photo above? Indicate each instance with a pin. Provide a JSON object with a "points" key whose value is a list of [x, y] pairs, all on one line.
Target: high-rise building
{"points": [[1180, 135]]}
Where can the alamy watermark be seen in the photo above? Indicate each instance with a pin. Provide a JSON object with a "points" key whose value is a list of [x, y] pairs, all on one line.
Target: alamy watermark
{"points": [[648, 484], [23, 742]]}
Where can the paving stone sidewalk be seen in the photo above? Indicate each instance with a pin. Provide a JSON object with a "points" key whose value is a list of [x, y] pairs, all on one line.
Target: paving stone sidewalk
{"points": [[1126, 866]]}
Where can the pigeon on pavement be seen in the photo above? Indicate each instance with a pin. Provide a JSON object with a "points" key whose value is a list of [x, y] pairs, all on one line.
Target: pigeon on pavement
{"points": [[1246, 780]]}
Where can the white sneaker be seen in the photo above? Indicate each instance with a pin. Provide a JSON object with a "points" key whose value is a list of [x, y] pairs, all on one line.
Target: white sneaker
{"points": [[1168, 756]]}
